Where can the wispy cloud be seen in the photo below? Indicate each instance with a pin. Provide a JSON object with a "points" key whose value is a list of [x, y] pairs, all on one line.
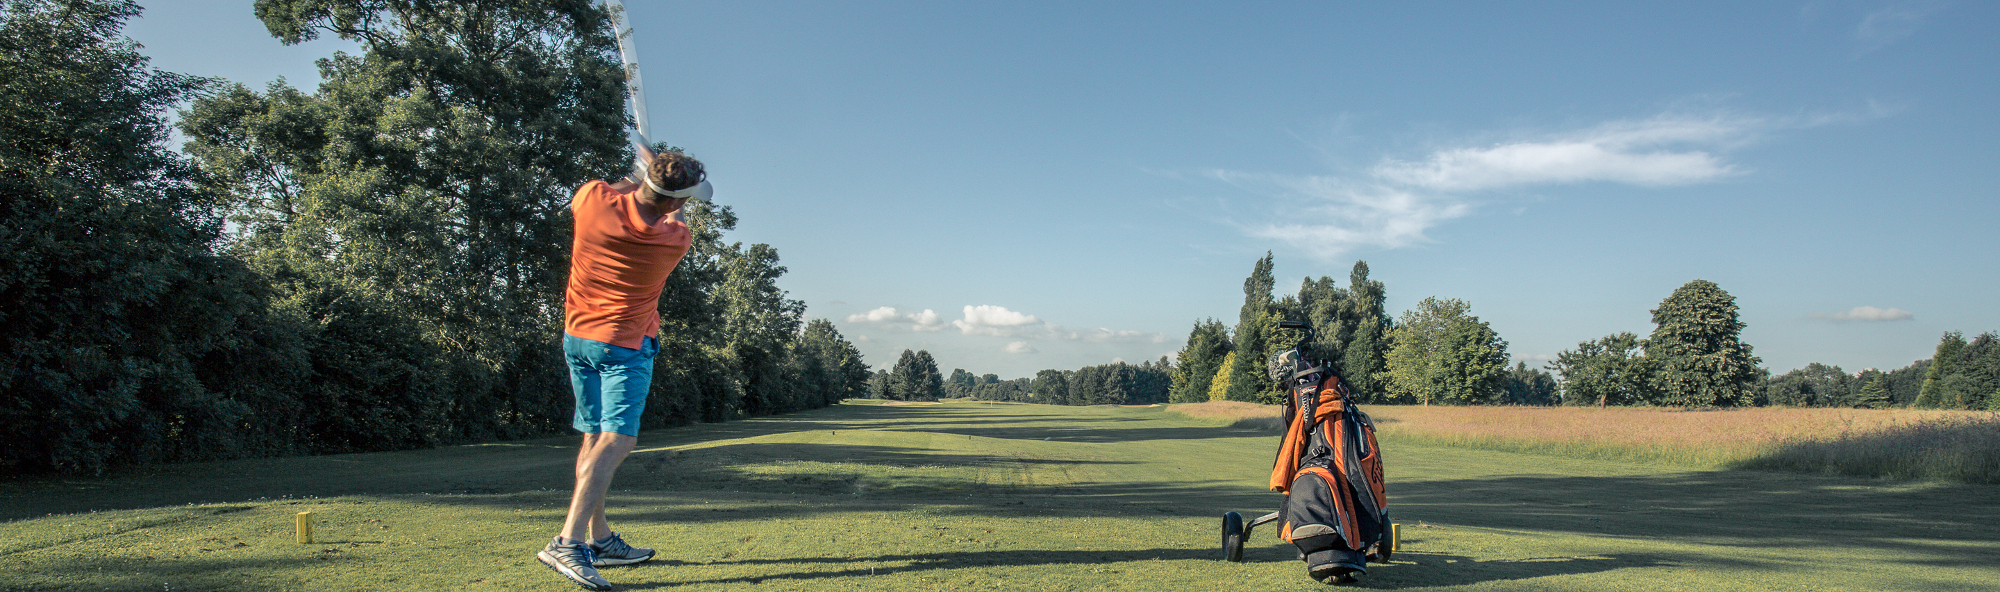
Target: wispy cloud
{"points": [[1019, 347], [1892, 23], [998, 321], [1339, 217], [1652, 153], [889, 317], [1396, 201], [1867, 313]]}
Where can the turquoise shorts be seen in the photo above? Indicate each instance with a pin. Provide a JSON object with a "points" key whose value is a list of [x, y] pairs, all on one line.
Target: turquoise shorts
{"points": [[610, 383]]}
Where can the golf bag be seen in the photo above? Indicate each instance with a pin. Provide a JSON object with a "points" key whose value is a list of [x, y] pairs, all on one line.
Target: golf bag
{"points": [[1330, 470]]}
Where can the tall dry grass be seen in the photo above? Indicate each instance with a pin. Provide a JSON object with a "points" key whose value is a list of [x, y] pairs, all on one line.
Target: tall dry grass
{"points": [[1236, 414], [1904, 444]]}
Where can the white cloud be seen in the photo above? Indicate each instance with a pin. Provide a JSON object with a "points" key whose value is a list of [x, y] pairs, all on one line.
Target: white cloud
{"points": [[1110, 336], [1343, 218], [888, 316], [1019, 347], [987, 315], [878, 315], [998, 321], [1892, 23], [1868, 313], [1396, 201], [927, 320], [1637, 153]]}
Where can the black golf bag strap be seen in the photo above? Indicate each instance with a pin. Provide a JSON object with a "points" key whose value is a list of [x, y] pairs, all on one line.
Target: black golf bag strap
{"points": [[1307, 399], [1355, 450]]}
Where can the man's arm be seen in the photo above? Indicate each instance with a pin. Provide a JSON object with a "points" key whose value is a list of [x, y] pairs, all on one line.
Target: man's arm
{"points": [[642, 158]]}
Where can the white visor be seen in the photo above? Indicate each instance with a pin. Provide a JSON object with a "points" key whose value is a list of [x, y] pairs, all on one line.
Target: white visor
{"points": [[700, 191]]}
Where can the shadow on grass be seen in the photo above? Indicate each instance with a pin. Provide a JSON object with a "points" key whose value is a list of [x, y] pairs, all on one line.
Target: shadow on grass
{"points": [[1204, 501], [545, 464], [1952, 524], [1958, 525], [970, 420], [1421, 569], [1417, 570]]}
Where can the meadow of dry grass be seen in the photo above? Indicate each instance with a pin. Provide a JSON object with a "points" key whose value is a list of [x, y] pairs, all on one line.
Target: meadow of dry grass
{"points": [[1904, 444], [1235, 413]]}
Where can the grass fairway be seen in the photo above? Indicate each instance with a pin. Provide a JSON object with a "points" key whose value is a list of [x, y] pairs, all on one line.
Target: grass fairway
{"points": [[975, 496]]}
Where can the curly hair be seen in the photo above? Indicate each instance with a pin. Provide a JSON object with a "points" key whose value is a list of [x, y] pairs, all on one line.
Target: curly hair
{"points": [[673, 171]]}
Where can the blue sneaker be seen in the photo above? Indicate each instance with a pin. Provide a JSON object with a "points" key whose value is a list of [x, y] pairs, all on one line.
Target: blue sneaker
{"points": [[573, 561], [614, 551]]}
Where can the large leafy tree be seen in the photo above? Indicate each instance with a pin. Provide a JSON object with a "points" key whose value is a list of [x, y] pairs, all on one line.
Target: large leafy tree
{"points": [[412, 212], [1610, 370], [1440, 353], [826, 367], [1697, 351], [126, 339], [761, 325], [425, 182], [915, 377]]}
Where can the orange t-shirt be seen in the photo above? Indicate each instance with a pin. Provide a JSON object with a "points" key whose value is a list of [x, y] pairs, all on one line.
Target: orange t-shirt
{"points": [[617, 267]]}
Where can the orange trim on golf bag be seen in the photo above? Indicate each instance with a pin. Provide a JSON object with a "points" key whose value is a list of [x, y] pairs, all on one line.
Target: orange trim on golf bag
{"points": [[1298, 435], [1342, 496], [1354, 480]]}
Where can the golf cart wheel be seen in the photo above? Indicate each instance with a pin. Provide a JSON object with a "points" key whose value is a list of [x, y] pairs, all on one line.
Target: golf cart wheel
{"points": [[1232, 536], [1390, 538]]}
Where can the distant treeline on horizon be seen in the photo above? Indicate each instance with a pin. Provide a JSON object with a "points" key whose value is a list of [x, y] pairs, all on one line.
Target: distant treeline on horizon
{"points": [[1439, 353]]}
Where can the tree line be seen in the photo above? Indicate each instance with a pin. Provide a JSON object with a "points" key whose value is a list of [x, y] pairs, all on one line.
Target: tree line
{"points": [[375, 265], [1438, 352], [915, 377]]}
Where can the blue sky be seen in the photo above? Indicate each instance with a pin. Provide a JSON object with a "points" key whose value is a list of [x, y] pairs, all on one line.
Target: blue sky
{"points": [[1026, 185]]}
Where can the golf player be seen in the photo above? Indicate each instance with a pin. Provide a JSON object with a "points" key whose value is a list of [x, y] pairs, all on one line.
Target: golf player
{"points": [[629, 236]]}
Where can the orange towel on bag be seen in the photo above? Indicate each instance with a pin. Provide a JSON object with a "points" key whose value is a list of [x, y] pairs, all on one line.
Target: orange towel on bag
{"points": [[1332, 397]]}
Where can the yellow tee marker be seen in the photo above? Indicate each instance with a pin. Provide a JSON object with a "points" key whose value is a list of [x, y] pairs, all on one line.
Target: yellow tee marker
{"points": [[303, 527]]}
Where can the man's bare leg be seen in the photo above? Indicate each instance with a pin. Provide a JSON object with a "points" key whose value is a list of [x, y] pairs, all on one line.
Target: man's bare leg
{"points": [[596, 462]]}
